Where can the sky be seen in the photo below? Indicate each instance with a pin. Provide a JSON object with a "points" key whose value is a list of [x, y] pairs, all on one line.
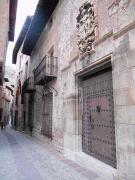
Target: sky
{"points": [[24, 9]]}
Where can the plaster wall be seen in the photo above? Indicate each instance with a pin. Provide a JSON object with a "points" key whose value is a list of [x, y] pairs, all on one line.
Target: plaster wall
{"points": [[4, 28]]}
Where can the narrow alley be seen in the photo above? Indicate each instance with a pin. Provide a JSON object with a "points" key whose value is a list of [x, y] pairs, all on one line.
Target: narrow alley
{"points": [[25, 158], [67, 90]]}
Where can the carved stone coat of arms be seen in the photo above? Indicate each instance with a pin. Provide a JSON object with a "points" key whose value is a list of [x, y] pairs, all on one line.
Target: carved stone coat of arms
{"points": [[86, 24]]}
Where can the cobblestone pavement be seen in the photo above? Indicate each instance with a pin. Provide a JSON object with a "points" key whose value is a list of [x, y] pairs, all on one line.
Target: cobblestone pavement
{"points": [[25, 158]]}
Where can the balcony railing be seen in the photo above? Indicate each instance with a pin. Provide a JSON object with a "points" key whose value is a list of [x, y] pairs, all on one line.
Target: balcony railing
{"points": [[28, 86], [46, 70]]}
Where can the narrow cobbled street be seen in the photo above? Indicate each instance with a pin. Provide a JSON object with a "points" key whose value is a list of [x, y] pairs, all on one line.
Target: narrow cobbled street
{"points": [[25, 158], [67, 90]]}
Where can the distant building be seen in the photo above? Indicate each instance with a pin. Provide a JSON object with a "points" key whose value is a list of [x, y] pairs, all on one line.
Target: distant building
{"points": [[10, 73], [7, 28], [7, 101], [22, 70], [81, 55], [8, 90]]}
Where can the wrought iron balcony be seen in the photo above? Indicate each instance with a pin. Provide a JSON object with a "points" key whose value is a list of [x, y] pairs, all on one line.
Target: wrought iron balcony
{"points": [[28, 86], [46, 71]]}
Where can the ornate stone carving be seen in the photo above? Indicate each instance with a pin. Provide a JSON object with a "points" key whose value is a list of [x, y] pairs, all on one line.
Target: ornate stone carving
{"points": [[86, 23], [118, 5]]}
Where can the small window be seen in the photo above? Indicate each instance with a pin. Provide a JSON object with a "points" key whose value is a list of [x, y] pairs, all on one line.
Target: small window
{"points": [[50, 22], [26, 70], [1, 81], [0, 69]]}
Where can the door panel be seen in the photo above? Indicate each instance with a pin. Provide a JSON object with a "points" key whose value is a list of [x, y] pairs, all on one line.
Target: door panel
{"points": [[31, 112], [98, 127], [47, 119]]}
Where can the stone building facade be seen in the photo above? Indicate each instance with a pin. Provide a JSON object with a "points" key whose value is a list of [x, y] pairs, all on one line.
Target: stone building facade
{"points": [[7, 102], [82, 99], [7, 26], [19, 120]]}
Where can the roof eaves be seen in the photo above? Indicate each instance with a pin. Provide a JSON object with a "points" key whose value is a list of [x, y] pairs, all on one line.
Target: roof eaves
{"points": [[21, 38], [12, 18], [43, 12]]}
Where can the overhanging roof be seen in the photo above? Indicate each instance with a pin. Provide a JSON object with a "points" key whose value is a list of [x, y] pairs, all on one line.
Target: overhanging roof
{"points": [[12, 18], [21, 38], [43, 11]]}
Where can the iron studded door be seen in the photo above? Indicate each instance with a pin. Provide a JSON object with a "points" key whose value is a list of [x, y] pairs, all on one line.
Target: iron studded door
{"points": [[31, 112], [98, 125]]}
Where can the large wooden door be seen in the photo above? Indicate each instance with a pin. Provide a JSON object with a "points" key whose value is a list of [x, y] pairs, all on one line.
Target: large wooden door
{"points": [[16, 119], [1, 112], [98, 127], [31, 112]]}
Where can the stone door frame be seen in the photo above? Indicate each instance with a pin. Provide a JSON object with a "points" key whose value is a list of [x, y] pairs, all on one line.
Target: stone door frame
{"points": [[92, 68], [48, 97]]}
